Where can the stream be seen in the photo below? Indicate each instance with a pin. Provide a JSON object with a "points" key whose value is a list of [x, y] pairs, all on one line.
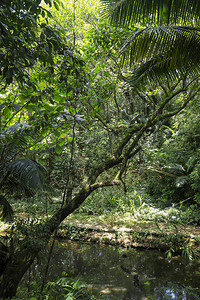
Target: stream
{"points": [[117, 273]]}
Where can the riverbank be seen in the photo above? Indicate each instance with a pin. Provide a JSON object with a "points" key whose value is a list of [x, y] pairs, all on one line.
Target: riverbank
{"points": [[121, 230]]}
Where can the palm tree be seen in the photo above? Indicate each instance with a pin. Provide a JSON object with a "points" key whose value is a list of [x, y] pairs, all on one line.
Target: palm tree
{"points": [[18, 175], [164, 40]]}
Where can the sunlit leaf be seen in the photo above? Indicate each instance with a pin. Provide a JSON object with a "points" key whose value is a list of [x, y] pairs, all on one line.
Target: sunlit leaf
{"points": [[181, 181], [63, 135], [58, 149]]}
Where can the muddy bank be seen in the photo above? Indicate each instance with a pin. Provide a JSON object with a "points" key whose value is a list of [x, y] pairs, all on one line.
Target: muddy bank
{"points": [[184, 240]]}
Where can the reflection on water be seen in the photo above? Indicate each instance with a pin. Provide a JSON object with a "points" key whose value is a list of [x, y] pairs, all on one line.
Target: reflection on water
{"points": [[127, 274]]}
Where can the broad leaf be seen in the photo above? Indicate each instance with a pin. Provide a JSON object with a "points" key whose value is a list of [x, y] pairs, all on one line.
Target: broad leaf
{"points": [[181, 181]]}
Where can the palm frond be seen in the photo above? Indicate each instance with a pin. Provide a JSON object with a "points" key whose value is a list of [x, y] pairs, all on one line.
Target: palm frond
{"points": [[23, 176], [16, 128], [6, 209], [153, 72], [130, 12], [162, 51], [14, 140]]}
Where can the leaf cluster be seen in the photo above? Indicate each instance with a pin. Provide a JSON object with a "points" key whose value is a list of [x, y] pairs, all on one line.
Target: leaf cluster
{"points": [[131, 12], [23, 38], [166, 51]]}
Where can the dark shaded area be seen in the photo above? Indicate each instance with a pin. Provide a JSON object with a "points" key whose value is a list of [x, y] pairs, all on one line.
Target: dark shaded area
{"points": [[117, 273]]}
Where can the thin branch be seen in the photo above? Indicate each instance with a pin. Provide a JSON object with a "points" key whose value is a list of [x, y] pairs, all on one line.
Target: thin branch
{"points": [[105, 126], [183, 105], [101, 184], [16, 114], [163, 88], [125, 160], [67, 190], [74, 24], [144, 98], [124, 142], [158, 171], [116, 103], [150, 123]]}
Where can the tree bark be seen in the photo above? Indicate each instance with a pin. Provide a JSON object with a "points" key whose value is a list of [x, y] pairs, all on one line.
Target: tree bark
{"points": [[17, 266], [21, 260]]}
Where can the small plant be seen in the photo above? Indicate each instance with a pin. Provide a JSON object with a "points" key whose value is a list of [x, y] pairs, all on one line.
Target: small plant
{"points": [[170, 252], [70, 231], [189, 251], [64, 288], [71, 288]]}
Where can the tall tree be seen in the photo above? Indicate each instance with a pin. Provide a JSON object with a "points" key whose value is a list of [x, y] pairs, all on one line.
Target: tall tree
{"points": [[127, 142]]}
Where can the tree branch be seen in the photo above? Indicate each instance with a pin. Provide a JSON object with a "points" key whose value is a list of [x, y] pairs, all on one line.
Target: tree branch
{"points": [[183, 105], [150, 123], [105, 126]]}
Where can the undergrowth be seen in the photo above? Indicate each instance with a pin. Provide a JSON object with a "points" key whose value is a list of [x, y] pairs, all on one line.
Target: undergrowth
{"points": [[139, 205], [113, 201]]}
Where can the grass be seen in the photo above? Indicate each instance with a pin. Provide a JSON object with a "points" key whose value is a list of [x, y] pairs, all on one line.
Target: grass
{"points": [[128, 222], [122, 215]]}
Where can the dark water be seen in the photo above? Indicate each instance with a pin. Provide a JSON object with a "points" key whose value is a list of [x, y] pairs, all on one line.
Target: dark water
{"points": [[127, 274]]}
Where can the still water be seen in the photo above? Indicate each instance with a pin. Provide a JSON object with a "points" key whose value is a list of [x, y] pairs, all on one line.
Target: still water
{"points": [[127, 274]]}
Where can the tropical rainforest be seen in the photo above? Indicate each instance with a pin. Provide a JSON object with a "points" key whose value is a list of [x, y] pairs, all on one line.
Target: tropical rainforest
{"points": [[99, 116]]}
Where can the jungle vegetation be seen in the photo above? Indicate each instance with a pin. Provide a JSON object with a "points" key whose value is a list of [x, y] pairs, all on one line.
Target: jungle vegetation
{"points": [[94, 95]]}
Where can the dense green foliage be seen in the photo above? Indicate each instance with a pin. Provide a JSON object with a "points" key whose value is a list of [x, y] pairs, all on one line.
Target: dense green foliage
{"points": [[166, 43], [75, 116]]}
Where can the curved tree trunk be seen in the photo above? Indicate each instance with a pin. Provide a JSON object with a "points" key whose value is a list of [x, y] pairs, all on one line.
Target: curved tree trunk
{"points": [[20, 261], [14, 271]]}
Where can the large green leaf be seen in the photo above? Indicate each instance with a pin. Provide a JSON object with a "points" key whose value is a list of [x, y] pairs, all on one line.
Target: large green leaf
{"points": [[23, 176], [170, 51], [24, 39], [130, 12], [29, 174]]}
